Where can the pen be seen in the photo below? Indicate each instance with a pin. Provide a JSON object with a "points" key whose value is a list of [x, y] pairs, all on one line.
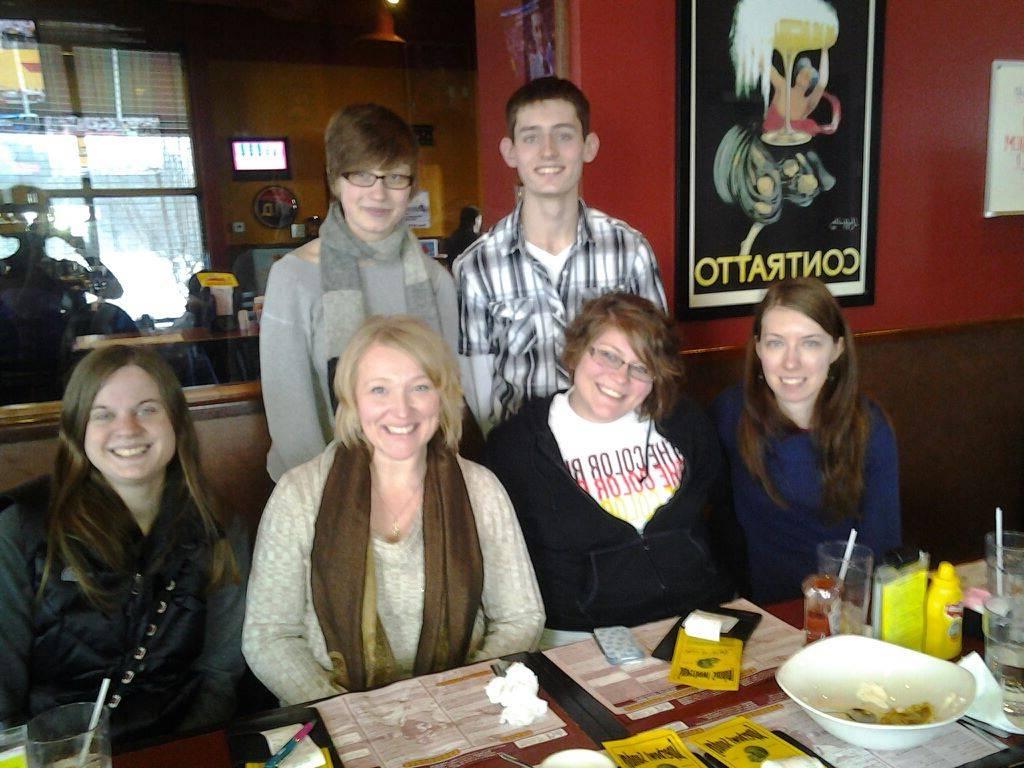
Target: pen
{"points": [[286, 750]]}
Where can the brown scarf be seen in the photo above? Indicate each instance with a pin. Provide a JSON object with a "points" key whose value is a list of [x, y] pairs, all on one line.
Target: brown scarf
{"points": [[342, 571]]}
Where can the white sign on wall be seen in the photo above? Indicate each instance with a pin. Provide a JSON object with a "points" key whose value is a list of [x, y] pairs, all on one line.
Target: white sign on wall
{"points": [[1004, 177], [417, 215]]}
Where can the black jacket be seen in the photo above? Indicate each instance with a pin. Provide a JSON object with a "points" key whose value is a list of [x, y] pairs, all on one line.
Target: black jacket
{"points": [[153, 644], [593, 568]]}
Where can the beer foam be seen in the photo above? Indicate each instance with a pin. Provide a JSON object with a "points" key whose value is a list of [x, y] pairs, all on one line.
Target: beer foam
{"points": [[753, 33]]}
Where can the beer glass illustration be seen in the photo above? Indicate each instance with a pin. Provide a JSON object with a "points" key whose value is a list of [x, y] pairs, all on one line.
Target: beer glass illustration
{"points": [[793, 36]]}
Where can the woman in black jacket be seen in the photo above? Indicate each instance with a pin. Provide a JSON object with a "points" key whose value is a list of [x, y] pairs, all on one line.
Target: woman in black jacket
{"points": [[120, 565], [610, 480]]}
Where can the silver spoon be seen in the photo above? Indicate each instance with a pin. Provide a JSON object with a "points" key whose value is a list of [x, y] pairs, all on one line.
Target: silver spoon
{"points": [[514, 760], [857, 715]]}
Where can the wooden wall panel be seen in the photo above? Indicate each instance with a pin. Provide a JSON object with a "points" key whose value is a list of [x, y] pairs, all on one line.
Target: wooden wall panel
{"points": [[954, 395]]}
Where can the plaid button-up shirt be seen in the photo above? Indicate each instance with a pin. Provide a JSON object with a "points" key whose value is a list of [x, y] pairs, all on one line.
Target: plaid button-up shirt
{"points": [[509, 308]]}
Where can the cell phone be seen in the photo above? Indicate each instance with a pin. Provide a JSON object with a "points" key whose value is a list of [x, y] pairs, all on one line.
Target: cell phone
{"points": [[746, 623], [618, 644]]}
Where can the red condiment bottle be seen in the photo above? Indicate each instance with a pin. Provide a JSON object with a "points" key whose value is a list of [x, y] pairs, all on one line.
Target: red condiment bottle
{"points": [[823, 599]]}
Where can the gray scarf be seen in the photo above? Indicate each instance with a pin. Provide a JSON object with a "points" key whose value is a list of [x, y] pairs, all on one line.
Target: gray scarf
{"points": [[341, 281]]}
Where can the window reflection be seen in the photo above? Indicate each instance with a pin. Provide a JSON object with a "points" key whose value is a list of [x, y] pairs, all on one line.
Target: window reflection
{"points": [[139, 162], [153, 245], [144, 187]]}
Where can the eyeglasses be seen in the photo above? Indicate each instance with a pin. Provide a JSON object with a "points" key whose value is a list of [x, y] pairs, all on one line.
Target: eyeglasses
{"points": [[367, 179], [607, 359]]}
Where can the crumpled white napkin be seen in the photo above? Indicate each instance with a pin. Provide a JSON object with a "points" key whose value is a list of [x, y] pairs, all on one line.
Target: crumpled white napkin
{"points": [[803, 761], [306, 753], [988, 700], [517, 694]]}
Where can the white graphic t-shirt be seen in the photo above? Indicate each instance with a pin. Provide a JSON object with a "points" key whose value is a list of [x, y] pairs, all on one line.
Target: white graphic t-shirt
{"points": [[626, 465]]}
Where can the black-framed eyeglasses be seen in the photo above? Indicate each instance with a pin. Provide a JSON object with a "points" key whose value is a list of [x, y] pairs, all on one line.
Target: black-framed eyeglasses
{"points": [[367, 179], [608, 359]]}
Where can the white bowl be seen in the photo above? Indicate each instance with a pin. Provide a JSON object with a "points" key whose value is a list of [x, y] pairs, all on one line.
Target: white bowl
{"points": [[827, 675], [577, 758]]}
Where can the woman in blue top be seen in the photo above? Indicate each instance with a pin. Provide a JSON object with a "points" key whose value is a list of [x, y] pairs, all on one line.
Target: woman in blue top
{"points": [[810, 456]]}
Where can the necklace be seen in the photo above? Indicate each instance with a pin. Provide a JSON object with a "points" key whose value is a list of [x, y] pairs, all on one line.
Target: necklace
{"points": [[398, 511]]}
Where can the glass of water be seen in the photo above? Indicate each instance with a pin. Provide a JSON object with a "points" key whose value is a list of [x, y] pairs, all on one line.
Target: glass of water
{"points": [[12, 746], [61, 738], [1003, 622], [1005, 565]]}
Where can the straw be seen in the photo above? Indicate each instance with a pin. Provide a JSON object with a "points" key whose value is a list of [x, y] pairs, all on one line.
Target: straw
{"points": [[93, 721], [999, 550], [847, 554]]}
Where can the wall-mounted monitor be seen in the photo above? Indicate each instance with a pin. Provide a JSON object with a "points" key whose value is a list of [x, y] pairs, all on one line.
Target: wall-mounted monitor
{"points": [[262, 158]]}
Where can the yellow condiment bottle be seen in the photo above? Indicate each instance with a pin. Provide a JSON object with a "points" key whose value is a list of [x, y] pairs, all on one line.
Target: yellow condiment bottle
{"points": [[944, 612]]}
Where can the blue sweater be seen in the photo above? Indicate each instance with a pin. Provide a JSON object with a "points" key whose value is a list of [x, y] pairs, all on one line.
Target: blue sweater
{"points": [[781, 541]]}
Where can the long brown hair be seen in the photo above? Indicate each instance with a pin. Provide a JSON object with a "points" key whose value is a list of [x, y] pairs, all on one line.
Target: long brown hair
{"points": [[651, 335], [85, 514], [839, 423]]}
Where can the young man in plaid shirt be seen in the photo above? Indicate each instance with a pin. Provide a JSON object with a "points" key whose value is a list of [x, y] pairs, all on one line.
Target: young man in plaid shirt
{"points": [[523, 282]]}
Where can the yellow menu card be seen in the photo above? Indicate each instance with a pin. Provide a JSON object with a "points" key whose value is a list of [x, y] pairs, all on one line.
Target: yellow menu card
{"points": [[742, 743], [651, 749], [706, 664]]}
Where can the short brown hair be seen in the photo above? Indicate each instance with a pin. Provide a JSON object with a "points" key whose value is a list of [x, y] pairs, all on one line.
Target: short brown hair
{"points": [[547, 89], [366, 136], [651, 335], [420, 342]]}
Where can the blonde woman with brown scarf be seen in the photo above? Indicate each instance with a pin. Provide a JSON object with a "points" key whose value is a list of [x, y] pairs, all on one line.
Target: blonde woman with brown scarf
{"points": [[388, 555]]}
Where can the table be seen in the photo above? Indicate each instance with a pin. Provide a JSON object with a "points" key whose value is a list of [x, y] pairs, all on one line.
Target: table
{"points": [[212, 749], [160, 338]]}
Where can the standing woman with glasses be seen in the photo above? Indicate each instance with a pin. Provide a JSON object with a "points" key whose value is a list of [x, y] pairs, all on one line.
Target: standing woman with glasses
{"points": [[610, 480], [365, 262]]}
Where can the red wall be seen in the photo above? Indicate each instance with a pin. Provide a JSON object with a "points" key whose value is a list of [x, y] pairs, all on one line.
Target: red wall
{"points": [[496, 81], [938, 259]]}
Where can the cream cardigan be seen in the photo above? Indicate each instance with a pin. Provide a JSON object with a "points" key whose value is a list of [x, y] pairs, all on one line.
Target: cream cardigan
{"points": [[282, 639]]}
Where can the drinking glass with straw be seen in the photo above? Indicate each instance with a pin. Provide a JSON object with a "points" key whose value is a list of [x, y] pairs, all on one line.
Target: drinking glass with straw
{"points": [[851, 565], [94, 719], [844, 567], [999, 551], [75, 735]]}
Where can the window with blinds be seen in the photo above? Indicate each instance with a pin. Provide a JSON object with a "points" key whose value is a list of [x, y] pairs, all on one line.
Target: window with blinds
{"points": [[107, 142]]}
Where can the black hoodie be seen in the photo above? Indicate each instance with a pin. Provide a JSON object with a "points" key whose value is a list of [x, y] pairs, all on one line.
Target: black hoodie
{"points": [[593, 568]]}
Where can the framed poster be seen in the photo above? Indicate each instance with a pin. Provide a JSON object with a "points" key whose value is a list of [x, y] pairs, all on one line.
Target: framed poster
{"points": [[536, 38], [779, 117], [1004, 175]]}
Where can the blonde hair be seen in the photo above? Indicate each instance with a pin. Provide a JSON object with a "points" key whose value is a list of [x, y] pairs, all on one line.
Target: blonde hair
{"points": [[414, 338]]}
